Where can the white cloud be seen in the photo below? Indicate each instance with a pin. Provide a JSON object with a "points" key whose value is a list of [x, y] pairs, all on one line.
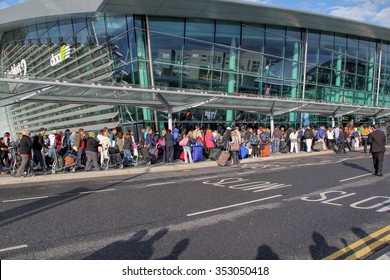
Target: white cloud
{"points": [[3, 5], [362, 11], [371, 11], [383, 17]]}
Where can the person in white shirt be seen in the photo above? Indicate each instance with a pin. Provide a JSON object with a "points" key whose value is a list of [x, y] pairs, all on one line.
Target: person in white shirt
{"points": [[330, 138], [294, 141]]}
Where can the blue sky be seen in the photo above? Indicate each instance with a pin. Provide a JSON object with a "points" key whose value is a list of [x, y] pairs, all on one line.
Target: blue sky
{"points": [[370, 11]]}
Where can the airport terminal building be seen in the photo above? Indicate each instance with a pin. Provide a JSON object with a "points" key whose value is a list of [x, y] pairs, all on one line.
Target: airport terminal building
{"points": [[96, 63]]}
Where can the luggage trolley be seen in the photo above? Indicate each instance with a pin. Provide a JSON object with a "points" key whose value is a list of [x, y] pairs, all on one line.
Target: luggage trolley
{"points": [[111, 158], [65, 163], [15, 160]]}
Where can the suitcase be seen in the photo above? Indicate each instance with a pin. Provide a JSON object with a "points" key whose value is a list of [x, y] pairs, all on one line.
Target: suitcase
{"points": [[197, 154], [214, 154], [223, 158], [243, 152], [182, 156], [264, 152]]}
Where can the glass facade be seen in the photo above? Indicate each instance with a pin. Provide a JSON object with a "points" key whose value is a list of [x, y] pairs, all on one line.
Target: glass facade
{"points": [[214, 55]]}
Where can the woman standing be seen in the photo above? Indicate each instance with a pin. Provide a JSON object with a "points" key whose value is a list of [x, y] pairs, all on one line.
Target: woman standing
{"points": [[209, 141], [235, 141], [187, 147], [127, 146], [294, 141], [25, 153]]}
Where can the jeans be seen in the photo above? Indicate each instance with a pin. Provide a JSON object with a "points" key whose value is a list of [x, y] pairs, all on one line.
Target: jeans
{"points": [[276, 146], [235, 157], [365, 140], [127, 157], [168, 154], [92, 158], [187, 154], [24, 166], [38, 157], [80, 154]]}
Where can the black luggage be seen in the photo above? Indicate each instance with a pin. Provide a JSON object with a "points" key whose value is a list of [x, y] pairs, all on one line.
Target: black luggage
{"points": [[214, 154]]}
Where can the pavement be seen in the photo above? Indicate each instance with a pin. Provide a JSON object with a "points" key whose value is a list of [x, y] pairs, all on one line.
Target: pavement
{"points": [[9, 181]]}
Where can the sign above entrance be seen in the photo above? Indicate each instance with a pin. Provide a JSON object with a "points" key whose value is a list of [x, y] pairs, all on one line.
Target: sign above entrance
{"points": [[61, 56], [18, 69]]}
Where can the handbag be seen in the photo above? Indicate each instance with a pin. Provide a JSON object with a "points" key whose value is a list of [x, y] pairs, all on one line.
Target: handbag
{"points": [[183, 142], [234, 147]]}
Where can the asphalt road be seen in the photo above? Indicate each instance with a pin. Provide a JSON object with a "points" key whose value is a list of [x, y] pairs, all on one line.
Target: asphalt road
{"points": [[297, 208]]}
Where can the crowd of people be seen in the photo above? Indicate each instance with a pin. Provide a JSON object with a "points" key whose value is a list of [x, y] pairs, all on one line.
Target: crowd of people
{"points": [[86, 150]]}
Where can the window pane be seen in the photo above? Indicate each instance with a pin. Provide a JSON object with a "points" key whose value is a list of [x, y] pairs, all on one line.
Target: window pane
{"points": [[275, 41], [116, 25], [227, 33], [200, 29], [252, 39]]}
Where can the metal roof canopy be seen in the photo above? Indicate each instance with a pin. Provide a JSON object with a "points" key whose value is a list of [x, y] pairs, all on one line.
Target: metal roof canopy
{"points": [[162, 99], [41, 11]]}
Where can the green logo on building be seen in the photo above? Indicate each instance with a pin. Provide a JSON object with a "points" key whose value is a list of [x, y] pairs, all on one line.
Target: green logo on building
{"points": [[61, 56]]}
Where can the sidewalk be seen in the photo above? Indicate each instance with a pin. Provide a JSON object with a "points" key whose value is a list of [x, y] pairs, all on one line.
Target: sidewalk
{"points": [[160, 167]]}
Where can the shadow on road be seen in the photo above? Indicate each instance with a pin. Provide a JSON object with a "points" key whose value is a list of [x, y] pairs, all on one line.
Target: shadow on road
{"points": [[356, 166], [38, 206], [320, 249], [138, 248], [265, 252]]}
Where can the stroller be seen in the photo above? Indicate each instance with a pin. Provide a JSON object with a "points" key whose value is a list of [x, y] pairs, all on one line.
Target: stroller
{"points": [[111, 158], [65, 163]]}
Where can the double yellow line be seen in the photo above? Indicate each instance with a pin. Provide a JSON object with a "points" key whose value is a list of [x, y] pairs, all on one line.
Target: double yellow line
{"points": [[369, 243]]}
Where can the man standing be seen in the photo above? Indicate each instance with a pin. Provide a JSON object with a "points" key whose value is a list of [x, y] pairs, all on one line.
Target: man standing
{"points": [[79, 146], [38, 144], [377, 140], [309, 135]]}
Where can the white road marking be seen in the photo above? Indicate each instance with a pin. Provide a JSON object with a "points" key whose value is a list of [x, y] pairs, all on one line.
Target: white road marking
{"points": [[204, 178], [278, 168], [348, 179], [248, 172], [234, 205], [24, 199], [107, 190], [13, 248], [159, 184]]}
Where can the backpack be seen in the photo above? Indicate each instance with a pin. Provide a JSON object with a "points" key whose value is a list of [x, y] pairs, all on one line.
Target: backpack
{"points": [[254, 140], [264, 137], [308, 134]]}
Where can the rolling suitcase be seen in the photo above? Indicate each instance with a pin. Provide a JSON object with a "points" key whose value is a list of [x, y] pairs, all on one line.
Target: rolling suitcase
{"points": [[223, 158], [214, 154], [264, 152], [197, 154], [243, 152]]}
